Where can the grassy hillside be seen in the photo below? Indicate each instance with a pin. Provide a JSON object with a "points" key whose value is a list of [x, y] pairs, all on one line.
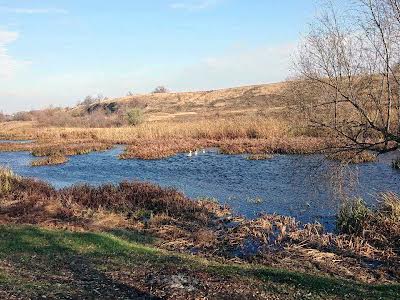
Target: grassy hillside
{"points": [[192, 105]]}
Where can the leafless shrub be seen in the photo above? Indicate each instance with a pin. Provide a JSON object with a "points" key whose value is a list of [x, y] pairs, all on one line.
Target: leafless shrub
{"points": [[348, 66], [4, 117], [90, 100], [23, 116], [160, 89]]}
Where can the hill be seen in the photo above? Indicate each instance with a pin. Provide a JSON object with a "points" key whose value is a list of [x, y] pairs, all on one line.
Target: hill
{"points": [[225, 102]]}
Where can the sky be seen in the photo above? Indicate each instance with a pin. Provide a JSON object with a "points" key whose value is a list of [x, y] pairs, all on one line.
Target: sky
{"points": [[56, 52]]}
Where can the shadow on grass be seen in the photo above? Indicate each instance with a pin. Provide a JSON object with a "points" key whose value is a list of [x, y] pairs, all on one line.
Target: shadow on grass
{"points": [[134, 236], [315, 284], [44, 253]]}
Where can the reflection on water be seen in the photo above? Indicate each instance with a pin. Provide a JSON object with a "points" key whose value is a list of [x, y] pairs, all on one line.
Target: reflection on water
{"points": [[294, 185]]}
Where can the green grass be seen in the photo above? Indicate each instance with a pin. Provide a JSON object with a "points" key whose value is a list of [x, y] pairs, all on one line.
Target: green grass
{"points": [[55, 263]]}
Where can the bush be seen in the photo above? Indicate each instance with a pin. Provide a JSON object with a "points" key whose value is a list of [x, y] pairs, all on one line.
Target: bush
{"points": [[90, 100], [389, 207], [135, 116], [23, 116], [6, 179], [352, 217], [378, 227], [160, 90], [3, 117]]}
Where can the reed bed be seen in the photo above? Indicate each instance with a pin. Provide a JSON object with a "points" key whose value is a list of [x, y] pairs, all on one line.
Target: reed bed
{"points": [[157, 140], [68, 149], [159, 149], [204, 227], [259, 156], [55, 153], [216, 129], [379, 227], [277, 145], [353, 157], [50, 160], [55, 148], [6, 179]]}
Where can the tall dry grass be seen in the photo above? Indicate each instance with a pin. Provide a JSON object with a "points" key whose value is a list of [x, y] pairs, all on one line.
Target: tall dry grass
{"points": [[6, 179], [218, 129], [379, 227]]}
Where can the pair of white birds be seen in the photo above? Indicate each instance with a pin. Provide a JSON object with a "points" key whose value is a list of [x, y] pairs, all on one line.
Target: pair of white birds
{"points": [[194, 153]]}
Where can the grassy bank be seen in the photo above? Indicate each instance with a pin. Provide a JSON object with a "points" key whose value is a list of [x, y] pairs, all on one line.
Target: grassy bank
{"points": [[47, 263], [138, 237]]}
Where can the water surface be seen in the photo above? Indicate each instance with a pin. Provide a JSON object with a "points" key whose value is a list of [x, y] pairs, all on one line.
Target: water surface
{"points": [[294, 185]]}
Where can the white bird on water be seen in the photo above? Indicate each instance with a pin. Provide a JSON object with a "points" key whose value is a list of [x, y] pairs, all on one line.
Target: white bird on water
{"points": [[190, 153], [195, 152], [204, 151]]}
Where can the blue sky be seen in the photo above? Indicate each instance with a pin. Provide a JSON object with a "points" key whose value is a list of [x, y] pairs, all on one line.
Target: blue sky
{"points": [[58, 51]]}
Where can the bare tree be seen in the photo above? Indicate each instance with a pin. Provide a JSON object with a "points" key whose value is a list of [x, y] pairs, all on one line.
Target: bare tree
{"points": [[160, 89], [90, 100], [349, 72], [3, 117]]}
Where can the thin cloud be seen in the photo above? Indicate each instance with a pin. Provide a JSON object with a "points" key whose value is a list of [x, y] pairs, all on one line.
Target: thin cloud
{"points": [[237, 67], [8, 64], [194, 5], [33, 11]]}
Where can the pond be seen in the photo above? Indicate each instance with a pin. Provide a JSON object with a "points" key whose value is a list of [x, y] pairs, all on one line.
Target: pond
{"points": [[294, 185]]}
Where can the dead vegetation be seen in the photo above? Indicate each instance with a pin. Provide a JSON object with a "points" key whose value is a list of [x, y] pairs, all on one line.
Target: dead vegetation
{"points": [[259, 156], [353, 157], [55, 153], [156, 140], [56, 159]]}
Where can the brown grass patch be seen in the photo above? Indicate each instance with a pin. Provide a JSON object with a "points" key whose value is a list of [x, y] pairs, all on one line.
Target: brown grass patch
{"points": [[353, 157], [293, 145], [158, 149], [216, 129], [50, 160], [260, 156], [55, 152]]}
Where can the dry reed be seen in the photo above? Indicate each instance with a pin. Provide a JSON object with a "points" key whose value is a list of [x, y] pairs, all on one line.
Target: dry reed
{"points": [[50, 160]]}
